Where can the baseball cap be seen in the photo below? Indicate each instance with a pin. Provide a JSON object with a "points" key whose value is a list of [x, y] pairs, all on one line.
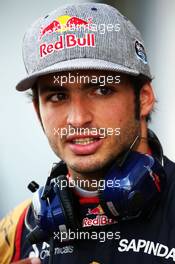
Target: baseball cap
{"points": [[83, 36]]}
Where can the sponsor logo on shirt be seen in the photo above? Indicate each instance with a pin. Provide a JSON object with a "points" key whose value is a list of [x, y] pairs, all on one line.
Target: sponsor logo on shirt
{"points": [[44, 252], [96, 217], [147, 247]]}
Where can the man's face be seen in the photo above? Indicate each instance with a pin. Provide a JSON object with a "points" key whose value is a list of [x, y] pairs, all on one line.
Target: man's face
{"points": [[89, 106]]}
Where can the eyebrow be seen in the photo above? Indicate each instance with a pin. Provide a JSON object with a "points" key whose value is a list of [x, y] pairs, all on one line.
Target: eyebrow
{"points": [[91, 84], [50, 88], [56, 87]]}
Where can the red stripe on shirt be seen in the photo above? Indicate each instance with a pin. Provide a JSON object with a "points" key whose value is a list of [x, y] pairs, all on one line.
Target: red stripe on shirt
{"points": [[18, 236]]}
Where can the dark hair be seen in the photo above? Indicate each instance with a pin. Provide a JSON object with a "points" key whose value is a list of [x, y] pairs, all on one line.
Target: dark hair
{"points": [[33, 94], [137, 83]]}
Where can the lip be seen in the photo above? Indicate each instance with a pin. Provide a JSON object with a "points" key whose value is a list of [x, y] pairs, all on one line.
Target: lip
{"points": [[88, 149], [73, 137]]}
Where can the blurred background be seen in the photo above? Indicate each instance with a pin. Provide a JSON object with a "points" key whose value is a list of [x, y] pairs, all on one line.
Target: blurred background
{"points": [[24, 151]]}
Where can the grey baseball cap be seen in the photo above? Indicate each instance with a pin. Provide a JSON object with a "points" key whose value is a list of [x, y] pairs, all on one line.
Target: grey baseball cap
{"points": [[83, 36]]}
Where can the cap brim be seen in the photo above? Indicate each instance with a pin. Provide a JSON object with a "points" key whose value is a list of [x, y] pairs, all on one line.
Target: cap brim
{"points": [[71, 65]]}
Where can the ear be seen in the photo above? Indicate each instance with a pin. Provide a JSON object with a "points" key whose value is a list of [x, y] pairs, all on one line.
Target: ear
{"points": [[147, 100]]}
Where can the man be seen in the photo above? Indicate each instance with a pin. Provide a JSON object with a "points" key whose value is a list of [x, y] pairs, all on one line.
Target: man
{"points": [[91, 89]]}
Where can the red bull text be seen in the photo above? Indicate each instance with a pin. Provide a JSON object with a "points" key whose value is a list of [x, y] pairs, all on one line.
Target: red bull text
{"points": [[99, 220], [67, 41]]}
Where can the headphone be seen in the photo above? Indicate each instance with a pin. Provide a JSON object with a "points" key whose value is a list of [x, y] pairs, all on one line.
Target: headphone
{"points": [[141, 179]]}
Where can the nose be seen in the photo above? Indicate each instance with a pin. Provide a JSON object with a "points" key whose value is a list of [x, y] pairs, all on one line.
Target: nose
{"points": [[79, 114]]}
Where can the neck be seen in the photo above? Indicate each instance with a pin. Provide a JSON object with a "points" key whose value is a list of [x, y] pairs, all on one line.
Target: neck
{"points": [[143, 146], [87, 181]]}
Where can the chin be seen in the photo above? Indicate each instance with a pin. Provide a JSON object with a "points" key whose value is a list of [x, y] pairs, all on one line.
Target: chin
{"points": [[88, 164], [84, 169]]}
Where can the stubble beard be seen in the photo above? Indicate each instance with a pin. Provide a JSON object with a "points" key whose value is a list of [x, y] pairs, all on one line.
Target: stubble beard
{"points": [[99, 165]]}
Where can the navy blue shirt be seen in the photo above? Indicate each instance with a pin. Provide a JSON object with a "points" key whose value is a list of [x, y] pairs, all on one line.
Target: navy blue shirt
{"points": [[142, 240]]}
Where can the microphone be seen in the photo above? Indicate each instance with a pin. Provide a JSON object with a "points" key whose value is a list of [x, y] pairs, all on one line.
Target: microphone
{"points": [[125, 156]]}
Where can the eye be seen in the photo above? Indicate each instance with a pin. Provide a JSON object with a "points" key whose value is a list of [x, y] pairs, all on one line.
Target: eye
{"points": [[58, 97], [104, 90]]}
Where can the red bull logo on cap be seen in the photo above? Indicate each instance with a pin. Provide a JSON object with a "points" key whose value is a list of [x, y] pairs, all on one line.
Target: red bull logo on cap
{"points": [[52, 27], [67, 41], [64, 23]]}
